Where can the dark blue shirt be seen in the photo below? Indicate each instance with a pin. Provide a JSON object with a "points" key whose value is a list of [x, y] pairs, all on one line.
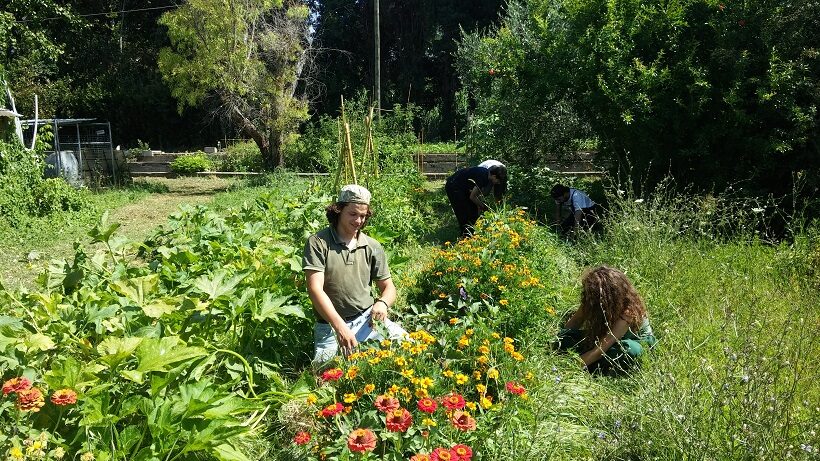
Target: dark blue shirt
{"points": [[466, 179]]}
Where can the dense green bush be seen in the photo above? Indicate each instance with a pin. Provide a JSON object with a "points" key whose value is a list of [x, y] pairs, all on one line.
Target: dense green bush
{"points": [[712, 93], [242, 156], [192, 164]]}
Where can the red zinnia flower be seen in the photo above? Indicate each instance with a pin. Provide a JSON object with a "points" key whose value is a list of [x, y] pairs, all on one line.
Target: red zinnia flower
{"points": [[454, 402], [64, 397], [16, 385], [30, 400], [462, 452], [515, 388], [332, 409], [421, 457], [301, 438], [398, 420], [427, 405], [462, 421], [441, 454], [334, 374], [361, 440], [385, 403]]}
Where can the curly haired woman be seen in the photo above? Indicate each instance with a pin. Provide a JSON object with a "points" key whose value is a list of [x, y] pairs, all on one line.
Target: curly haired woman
{"points": [[610, 328]]}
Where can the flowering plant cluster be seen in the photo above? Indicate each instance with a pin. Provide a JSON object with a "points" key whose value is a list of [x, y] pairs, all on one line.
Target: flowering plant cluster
{"points": [[489, 270], [424, 397]]}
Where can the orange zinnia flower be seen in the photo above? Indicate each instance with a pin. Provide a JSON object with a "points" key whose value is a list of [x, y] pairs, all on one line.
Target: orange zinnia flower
{"points": [[398, 420], [361, 440], [16, 385], [332, 410], [301, 438], [462, 452], [386, 404], [64, 397], [30, 400], [441, 454], [333, 374], [427, 405], [420, 457], [462, 421], [453, 402], [515, 388]]}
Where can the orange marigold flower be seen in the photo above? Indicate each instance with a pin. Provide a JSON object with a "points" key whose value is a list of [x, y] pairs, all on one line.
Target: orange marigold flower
{"points": [[333, 374], [16, 385], [453, 401], [361, 440], [30, 400], [64, 397], [462, 421], [398, 420], [368, 388], [332, 410], [427, 405], [301, 438], [442, 454], [385, 403], [453, 320], [462, 452]]}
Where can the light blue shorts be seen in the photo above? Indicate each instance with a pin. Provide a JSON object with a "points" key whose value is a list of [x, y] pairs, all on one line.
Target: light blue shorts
{"points": [[324, 337]]}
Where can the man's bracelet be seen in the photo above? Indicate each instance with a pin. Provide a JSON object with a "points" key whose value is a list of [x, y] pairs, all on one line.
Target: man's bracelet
{"points": [[382, 301]]}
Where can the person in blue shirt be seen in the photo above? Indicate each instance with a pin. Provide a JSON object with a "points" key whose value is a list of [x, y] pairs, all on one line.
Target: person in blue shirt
{"points": [[583, 211], [464, 190]]}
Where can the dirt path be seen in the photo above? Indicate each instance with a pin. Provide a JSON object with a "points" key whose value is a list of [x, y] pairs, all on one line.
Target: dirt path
{"points": [[20, 266]]}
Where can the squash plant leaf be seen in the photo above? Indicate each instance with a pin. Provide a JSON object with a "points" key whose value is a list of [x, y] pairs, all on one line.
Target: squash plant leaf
{"points": [[271, 308], [218, 286], [227, 452], [114, 350], [102, 231], [37, 342], [157, 354]]}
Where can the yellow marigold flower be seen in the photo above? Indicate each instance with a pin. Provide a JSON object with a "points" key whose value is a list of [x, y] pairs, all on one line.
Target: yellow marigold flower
{"points": [[16, 453], [429, 422], [524, 396], [447, 243], [352, 372], [426, 382], [528, 376], [496, 335], [463, 342], [502, 287], [394, 389], [453, 321], [550, 310], [476, 375], [471, 405], [493, 279], [462, 379], [368, 388], [405, 392], [350, 398], [442, 295], [468, 332], [421, 393], [508, 340], [408, 372], [385, 343], [483, 359], [311, 399], [400, 361], [486, 402], [448, 373], [492, 373], [355, 356], [517, 356], [481, 388], [439, 273], [406, 345], [509, 348], [374, 360], [483, 350], [503, 302]]}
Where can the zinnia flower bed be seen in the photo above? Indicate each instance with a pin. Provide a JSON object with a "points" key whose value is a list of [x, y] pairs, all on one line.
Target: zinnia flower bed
{"points": [[425, 397]]}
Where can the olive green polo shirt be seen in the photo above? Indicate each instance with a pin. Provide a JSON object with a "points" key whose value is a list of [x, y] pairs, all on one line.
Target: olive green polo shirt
{"points": [[348, 273]]}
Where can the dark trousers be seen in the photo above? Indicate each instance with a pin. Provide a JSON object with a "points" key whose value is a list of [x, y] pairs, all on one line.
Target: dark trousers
{"points": [[465, 210], [588, 222]]}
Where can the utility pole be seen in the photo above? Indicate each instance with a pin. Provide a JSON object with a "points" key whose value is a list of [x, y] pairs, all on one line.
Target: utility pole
{"points": [[377, 72]]}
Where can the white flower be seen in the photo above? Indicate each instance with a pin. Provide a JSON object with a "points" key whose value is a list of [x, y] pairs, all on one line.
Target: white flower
{"points": [[758, 210], [640, 200]]}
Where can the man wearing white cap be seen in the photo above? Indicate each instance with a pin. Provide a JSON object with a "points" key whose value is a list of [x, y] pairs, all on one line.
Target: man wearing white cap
{"points": [[340, 264]]}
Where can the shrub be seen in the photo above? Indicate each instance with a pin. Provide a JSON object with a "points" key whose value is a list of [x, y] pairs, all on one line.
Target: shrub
{"points": [[242, 156], [192, 164]]}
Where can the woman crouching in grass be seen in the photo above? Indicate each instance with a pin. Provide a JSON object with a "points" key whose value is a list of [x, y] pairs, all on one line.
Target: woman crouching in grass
{"points": [[610, 329]]}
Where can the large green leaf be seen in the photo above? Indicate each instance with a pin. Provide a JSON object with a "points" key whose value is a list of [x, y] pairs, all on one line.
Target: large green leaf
{"points": [[114, 350], [218, 286], [137, 289], [271, 308], [37, 341], [158, 354], [226, 452]]}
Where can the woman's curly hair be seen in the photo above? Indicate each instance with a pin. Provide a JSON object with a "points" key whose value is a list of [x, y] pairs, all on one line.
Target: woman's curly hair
{"points": [[607, 295]]}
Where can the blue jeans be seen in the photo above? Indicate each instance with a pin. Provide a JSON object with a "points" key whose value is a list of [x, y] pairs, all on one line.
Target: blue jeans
{"points": [[324, 337]]}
